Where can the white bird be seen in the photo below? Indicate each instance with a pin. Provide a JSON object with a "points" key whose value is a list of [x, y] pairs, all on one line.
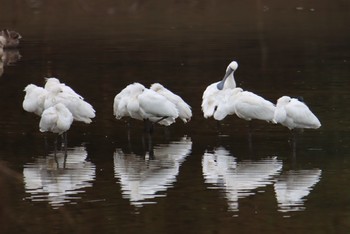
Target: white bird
{"points": [[81, 110], [56, 119], [211, 95], [34, 99], [292, 113], [156, 108], [121, 100], [140, 103], [246, 105], [183, 108]]}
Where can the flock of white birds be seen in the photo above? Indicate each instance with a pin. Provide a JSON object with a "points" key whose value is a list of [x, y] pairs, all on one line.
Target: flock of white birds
{"points": [[225, 98], [59, 105]]}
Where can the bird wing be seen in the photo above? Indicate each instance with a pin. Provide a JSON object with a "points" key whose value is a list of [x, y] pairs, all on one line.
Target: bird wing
{"points": [[183, 108], [251, 106], [301, 115], [155, 105]]}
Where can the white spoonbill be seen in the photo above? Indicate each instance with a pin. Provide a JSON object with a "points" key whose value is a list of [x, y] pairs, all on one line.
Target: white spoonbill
{"points": [[56, 119], [211, 94], [81, 110], [183, 108], [140, 103], [156, 108], [121, 100], [34, 99], [292, 113], [246, 105]]}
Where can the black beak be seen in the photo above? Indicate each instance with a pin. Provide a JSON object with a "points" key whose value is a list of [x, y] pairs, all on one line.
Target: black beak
{"points": [[220, 85]]}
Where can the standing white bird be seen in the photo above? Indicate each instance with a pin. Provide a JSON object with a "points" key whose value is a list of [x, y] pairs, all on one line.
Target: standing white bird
{"points": [[183, 108], [292, 113], [34, 99], [246, 105], [81, 110], [211, 95], [121, 100], [156, 108], [56, 119], [140, 103]]}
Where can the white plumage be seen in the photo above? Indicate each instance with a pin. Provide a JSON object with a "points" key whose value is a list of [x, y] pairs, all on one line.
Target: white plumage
{"points": [[246, 105], [157, 108], [81, 110], [212, 94], [183, 108], [292, 113], [56, 119], [53, 82], [121, 100], [140, 103], [34, 99]]}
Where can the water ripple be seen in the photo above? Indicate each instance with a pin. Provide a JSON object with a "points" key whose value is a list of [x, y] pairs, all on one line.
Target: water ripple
{"points": [[59, 180], [144, 178], [238, 179]]}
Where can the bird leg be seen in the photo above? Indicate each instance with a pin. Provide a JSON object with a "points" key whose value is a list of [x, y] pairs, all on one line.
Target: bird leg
{"points": [[148, 126], [150, 146]]}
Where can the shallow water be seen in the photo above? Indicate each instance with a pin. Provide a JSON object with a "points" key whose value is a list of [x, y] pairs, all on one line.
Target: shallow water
{"points": [[197, 178]]}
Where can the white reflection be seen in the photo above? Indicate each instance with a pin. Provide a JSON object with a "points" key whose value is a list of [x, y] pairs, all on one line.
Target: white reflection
{"points": [[239, 179], [142, 179], [293, 186], [57, 179]]}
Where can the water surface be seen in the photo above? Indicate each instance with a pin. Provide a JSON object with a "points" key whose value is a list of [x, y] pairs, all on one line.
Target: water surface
{"points": [[195, 177]]}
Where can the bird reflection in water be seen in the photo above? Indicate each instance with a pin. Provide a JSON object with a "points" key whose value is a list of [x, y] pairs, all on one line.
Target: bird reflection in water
{"points": [[238, 179], [58, 179], [9, 58], [292, 188], [144, 178]]}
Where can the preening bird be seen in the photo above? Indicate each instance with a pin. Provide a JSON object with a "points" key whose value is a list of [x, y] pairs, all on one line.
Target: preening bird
{"points": [[34, 99], [81, 110], [292, 113], [185, 112], [212, 94], [246, 105]]}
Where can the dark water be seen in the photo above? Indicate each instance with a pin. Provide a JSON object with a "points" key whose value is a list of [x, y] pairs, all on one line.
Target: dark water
{"points": [[201, 179]]}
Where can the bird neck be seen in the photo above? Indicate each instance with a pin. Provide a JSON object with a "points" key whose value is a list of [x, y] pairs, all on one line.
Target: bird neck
{"points": [[230, 81]]}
